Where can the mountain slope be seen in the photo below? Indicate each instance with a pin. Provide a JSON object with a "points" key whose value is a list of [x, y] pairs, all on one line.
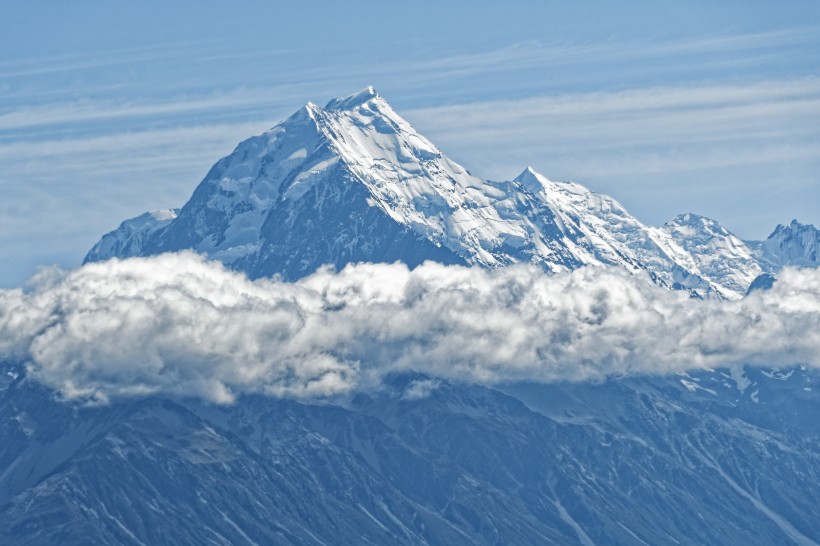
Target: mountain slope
{"points": [[722, 457]]}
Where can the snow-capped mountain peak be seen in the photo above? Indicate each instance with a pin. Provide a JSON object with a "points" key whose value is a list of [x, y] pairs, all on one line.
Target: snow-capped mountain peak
{"points": [[355, 100], [531, 180], [796, 244], [354, 182], [717, 253]]}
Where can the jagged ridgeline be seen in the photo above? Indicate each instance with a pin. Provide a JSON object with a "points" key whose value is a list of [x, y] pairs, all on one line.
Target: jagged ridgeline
{"points": [[354, 182]]}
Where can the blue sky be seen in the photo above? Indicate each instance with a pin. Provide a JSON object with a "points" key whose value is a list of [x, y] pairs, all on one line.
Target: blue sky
{"points": [[108, 109]]}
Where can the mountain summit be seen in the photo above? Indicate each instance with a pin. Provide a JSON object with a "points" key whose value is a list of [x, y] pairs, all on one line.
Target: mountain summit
{"points": [[794, 244], [354, 182]]}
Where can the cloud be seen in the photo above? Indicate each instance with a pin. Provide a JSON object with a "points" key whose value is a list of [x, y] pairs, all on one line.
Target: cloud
{"points": [[138, 150], [178, 324], [210, 106], [641, 130]]}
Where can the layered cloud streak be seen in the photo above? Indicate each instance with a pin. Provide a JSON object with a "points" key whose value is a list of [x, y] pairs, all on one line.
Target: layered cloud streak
{"points": [[178, 324]]}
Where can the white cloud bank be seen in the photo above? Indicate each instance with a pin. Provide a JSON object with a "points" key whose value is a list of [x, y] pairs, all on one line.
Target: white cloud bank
{"points": [[180, 324]]}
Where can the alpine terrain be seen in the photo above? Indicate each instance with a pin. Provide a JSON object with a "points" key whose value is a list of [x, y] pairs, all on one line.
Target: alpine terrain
{"points": [[354, 182]]}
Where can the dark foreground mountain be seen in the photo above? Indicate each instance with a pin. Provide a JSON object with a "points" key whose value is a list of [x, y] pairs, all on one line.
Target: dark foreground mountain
{"points": [[354, 182], [723, 457]]}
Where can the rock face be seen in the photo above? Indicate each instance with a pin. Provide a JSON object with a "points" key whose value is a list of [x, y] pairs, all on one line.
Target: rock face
{"points": [[724, 457], [354, 182]]}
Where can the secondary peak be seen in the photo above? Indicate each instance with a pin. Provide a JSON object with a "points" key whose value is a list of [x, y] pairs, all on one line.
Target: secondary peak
{"points": [[531, 180], [691, 218]]}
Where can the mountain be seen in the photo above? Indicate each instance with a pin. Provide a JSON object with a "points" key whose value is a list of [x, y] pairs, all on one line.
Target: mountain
{"points": [[718, 253], [354, 182], [730, 456], [796, 244]]}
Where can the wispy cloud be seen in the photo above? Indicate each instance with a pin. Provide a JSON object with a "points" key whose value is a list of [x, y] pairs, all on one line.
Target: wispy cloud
{"points": [[166, 142], [411, 71], [215, 105], [755, 115], [645, 116], [178, 324]]}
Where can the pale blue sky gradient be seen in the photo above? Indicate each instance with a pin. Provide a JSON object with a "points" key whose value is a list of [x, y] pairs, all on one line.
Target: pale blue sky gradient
{"points": [[108, 109]]}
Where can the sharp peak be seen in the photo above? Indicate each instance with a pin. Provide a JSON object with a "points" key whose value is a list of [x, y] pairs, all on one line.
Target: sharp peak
{"points": [[307, 111], [531, 179], [355, 100], [529, 171], [796, 224], [530, 174], [791, 226], [368, 95], [535, 182]]}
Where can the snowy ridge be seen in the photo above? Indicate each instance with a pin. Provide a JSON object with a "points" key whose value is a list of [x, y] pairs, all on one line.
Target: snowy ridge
{"points": [[597, 230], [130, 237], [354, 182], [717, 253], [795, 244], [411, 180]]}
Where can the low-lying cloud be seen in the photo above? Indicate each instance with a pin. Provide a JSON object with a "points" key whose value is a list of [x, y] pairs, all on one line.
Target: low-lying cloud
{"points": [[178, 324]]}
